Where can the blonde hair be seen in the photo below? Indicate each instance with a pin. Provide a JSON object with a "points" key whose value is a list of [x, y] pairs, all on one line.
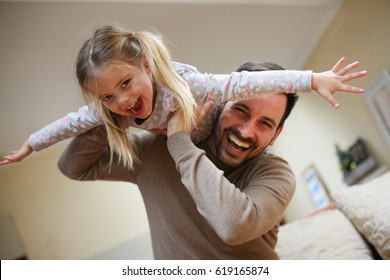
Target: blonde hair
{"points": [[112, 45]]}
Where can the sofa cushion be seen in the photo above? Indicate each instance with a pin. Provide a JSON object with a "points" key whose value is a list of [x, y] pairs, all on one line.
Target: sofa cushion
{"points": [[324, 236], [368, 208]]}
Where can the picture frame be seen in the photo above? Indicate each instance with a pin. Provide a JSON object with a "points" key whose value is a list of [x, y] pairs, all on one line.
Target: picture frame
{"points": [[377, 97], [316, 187]]}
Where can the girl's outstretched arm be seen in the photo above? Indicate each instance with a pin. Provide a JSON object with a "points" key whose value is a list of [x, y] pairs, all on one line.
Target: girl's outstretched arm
{"points": [[241, 85], [329, 82], [72, 124]]}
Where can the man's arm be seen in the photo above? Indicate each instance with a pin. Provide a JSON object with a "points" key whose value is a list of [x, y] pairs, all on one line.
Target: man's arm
{"points": [[237, 213], [87, 157]]}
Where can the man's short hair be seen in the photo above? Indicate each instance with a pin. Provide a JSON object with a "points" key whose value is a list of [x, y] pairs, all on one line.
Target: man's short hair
{"points": [[252, 66]]}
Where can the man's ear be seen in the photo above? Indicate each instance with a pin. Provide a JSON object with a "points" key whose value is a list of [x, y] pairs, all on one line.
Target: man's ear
{"points": [[278, 131]]}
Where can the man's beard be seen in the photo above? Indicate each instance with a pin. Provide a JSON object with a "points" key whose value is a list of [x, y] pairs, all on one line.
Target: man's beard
{"points": [[219, 140]]}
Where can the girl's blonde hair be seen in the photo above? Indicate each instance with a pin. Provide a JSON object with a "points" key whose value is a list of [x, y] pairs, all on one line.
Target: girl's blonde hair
{"points": [[111, 45]]}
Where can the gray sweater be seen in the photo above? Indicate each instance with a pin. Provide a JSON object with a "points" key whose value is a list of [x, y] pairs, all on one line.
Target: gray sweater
{"points": [[197, 208]]}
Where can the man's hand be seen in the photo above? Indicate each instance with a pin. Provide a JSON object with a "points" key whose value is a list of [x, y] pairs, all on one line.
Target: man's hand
{"points": [[329, 82], [175, 122]]}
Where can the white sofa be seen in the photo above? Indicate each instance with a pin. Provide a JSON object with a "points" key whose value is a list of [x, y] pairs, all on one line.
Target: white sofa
{"points": [[357, 228]]}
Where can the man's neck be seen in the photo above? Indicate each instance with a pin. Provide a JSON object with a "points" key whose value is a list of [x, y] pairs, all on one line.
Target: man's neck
{"points": [[211, 144], [211, 152]]}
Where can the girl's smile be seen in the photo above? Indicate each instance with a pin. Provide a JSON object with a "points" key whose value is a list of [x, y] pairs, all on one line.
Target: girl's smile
{"points": [[126, 91]]}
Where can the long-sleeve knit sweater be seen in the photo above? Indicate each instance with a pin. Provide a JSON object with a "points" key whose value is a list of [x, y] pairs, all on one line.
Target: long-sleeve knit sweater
{"points": [[197, 208]]}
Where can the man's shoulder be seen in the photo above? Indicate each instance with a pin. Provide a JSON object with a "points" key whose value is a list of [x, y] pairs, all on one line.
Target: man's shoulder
{"points": [[264, 170], [268, 163], [268, 157], [146, 141], [144, 137]]}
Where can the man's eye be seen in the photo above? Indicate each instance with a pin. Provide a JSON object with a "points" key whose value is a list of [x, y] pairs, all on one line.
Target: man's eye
{"points": [[267, 124], [238, 109]]}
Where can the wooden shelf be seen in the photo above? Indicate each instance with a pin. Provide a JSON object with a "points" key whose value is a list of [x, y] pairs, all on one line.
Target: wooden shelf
{"points": [[360, 171]]}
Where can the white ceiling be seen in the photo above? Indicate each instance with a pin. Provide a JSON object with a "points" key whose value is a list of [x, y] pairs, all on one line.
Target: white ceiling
{"points": [[223, 2], [39, 42]]}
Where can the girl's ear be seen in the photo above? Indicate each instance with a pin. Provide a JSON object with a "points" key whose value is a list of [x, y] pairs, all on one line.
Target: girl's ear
{"points": [[145, 64]]}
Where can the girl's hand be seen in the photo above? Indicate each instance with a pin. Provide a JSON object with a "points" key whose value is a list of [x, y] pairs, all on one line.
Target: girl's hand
{"points": [[16, 156], [329, 82], [176, 123], [158, 131], [202, 111]]}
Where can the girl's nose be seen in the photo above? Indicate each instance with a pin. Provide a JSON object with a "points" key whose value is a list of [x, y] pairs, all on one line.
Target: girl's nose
{"points": [[123, 101]]}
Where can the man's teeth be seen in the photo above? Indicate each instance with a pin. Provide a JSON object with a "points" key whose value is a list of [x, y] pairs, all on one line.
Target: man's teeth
{"points": [[236, 141]]}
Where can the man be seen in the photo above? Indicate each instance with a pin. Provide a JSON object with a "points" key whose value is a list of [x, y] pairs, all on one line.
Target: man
{"points": [[221, 199]]}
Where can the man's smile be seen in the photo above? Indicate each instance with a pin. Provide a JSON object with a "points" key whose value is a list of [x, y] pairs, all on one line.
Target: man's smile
{"points": [[234, 141]]}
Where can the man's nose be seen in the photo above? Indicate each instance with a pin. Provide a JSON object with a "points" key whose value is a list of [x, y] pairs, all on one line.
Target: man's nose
{"points": [[247, 129]]}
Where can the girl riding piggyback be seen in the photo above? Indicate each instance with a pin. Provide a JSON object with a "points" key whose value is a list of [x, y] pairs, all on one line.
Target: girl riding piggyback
{"points": [[129, 80]]}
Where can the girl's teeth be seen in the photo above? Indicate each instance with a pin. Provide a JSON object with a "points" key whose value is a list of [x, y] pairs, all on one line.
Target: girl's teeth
{"points": [[132, 105]]}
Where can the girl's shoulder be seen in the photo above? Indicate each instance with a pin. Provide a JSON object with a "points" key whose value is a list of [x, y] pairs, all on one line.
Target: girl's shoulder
{"points": [[183, 69]]}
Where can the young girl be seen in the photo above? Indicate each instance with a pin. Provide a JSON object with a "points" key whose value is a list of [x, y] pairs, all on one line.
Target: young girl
{"points": [[129, 80]]}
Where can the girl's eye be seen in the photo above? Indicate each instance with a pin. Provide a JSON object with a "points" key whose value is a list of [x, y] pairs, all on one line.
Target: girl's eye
{"points": [[125, 83], [106, 98]]}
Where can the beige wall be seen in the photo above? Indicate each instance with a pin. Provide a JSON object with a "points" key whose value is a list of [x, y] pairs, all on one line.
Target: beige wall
{"points": [[361, 31], [58, 218], [62, 219]]}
